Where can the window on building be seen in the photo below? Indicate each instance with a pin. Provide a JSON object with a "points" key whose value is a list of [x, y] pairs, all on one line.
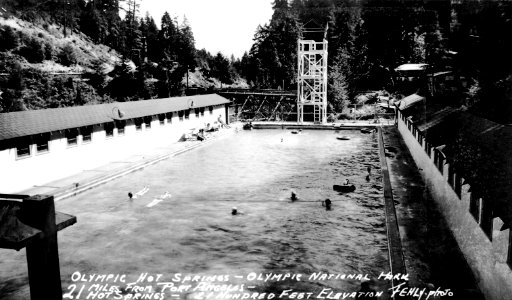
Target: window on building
{"points": [[161, 119], [202, 111], [168, 116], [42, 143], [196, 112], [72, 137], [120, 125], [187, 114], [109, 129], [86, 134], [147, 121], [180, 115], [138, 124], [23, 147], [210, 108]]}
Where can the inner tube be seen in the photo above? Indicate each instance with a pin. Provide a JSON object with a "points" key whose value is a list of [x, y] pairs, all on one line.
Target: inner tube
{"points": [[295, 132], [344, 188], [343, 138], [247, 126]]}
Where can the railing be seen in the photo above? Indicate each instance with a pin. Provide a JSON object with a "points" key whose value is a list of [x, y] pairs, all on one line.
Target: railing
{"points": [[482, 213]]}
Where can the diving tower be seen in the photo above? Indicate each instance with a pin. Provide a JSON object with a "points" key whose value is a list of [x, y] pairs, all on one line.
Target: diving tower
{"points": [[312, 75]]}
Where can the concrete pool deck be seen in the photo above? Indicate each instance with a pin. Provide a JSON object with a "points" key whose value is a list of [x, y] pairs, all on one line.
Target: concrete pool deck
{"points": [[88, 179]]}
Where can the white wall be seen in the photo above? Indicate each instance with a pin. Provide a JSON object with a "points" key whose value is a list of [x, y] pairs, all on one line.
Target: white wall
{"points": [[487, 259], [18, 174]]}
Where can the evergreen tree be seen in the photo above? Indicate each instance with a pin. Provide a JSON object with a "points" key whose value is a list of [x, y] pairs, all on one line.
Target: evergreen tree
{"points": [[8, 38], [149, 33], [186, 51]]}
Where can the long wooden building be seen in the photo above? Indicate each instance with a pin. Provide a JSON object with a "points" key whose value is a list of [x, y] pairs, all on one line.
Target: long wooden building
{"points": [[40, 146]]}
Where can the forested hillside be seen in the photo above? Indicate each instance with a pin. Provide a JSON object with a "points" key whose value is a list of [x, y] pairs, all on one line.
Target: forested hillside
{"points": [[367, 39], [107, 58]]}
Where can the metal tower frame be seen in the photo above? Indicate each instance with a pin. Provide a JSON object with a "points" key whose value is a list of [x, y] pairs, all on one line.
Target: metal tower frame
{"points": [[312, 79]]}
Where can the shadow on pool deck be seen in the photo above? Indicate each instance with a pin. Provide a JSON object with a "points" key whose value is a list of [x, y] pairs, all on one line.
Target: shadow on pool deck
{"points": [[429, 248]]}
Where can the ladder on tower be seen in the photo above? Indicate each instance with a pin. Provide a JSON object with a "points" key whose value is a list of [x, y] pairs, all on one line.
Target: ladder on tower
{"points": [[317, 114]]}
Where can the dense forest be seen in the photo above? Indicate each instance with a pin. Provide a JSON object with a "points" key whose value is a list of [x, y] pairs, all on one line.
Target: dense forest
{"points": [[367, 39]]}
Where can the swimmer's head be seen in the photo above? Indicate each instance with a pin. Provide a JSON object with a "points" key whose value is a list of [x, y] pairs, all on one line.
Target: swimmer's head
{"points": [[234, 211], [130, 195]]}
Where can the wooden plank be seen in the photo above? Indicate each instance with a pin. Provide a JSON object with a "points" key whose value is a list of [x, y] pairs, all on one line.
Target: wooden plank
{"points": [[63, 220]]}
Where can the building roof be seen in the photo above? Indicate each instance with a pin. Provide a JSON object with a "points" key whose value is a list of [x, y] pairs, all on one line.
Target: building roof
{"points": [[411, 67], [25, 123], [410, 100]]}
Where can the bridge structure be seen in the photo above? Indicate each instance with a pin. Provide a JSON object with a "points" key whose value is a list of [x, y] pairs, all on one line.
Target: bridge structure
{"points": [[261, 104]]}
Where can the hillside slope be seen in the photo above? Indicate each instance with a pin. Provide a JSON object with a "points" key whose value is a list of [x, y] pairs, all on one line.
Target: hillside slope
{"points": [[84, 49], [44, 65]]}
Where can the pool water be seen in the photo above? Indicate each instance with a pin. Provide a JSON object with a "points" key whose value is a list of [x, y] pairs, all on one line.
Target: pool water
{"points": [[193, 231]]}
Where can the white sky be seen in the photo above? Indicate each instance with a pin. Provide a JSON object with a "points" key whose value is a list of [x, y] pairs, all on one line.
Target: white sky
{"points": [[227, 26]]}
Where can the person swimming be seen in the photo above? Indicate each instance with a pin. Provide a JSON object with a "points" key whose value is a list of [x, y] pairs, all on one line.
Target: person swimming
{"points": [[130, 195], [346, 182], [368, 177], [234, 211], [293, 197], [327, 204]]}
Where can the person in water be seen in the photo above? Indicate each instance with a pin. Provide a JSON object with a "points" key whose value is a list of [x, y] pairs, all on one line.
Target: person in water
{"points": [[130, 195], [234, 211], [293, 197], [346, 182], [369, 169], [327, 204], [368, 177]]}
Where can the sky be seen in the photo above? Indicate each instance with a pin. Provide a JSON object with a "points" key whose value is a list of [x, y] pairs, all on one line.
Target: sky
{"points": [[227, 26]]}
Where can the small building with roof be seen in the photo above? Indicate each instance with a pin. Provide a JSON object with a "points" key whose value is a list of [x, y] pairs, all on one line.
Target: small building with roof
{"points": [[467, 166], [40, 146]]}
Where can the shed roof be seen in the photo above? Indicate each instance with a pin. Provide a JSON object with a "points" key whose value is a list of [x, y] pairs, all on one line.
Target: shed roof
{"points": [[411, 67], [25, 123], [410, 100]]}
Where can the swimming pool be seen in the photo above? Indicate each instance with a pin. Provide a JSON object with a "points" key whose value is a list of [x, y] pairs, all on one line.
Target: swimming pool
{"points": [[193, 231]]}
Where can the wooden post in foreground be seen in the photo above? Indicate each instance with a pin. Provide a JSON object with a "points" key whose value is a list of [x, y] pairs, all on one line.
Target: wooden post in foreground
{"points": [[43, 254], [32, 222]]}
